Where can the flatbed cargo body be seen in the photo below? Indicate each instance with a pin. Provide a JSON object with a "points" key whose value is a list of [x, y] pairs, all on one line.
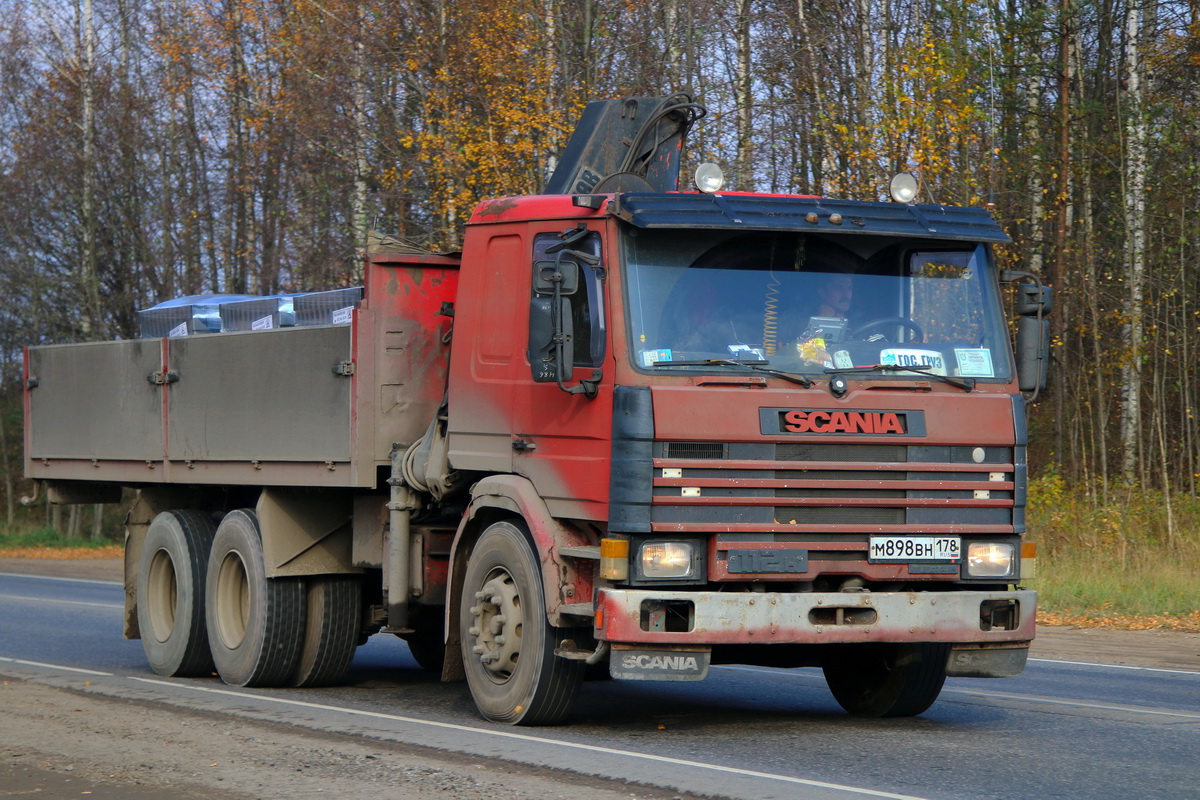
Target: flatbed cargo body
{"points": [[304, 406]]}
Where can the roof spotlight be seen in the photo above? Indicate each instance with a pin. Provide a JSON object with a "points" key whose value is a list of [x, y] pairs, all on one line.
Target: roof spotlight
{"points": [[904, 188], [709, 178]]}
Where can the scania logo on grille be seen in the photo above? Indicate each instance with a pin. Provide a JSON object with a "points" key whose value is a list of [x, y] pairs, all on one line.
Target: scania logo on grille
{"points": [[821, 421], [842, 422]]}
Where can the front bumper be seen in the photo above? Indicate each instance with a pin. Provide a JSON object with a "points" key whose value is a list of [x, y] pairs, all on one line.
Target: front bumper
{"points": [[711, 618]]}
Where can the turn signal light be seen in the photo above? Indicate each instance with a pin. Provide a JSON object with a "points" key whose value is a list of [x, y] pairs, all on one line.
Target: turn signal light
{"points": [[614, 559], [1028, 560]]}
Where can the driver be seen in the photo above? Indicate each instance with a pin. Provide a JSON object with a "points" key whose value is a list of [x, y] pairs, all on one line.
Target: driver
{"points": [[835, 295]]}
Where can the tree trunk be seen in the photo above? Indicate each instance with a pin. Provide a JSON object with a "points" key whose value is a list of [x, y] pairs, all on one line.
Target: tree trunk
{"points": [[93, 317], [743, 84], [1135, 245]]}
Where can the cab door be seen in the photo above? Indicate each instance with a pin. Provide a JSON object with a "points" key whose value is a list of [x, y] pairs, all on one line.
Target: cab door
{"points": [[562, 439]]}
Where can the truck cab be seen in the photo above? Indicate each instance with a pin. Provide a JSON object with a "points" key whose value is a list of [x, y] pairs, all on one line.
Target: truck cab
{"points": [[776, 429]]}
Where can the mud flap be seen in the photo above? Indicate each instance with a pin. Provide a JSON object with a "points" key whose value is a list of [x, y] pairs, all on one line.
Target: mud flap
{"points": [[668, 664], [1000, 660]]}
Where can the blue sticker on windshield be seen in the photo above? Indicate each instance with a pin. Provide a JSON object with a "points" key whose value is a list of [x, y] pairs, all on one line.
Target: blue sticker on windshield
{"points": [[652, 357]]}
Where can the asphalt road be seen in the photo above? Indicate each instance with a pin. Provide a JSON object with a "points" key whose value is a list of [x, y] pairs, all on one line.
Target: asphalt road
{"points": [[1062, 730]]}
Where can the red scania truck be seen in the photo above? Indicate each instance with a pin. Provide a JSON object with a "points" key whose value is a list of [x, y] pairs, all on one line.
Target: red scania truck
{"points": [[627, 427]]}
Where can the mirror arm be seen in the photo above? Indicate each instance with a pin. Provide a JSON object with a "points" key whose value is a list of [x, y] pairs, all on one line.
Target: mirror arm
{"points": [[589, 387]]}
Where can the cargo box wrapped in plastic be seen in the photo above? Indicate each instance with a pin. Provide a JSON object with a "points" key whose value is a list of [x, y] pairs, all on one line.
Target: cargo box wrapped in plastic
{"points": [[259, 314], [327, 308], [184, 316]]}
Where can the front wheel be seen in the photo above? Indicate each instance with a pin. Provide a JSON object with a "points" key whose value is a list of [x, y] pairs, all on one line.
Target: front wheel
{"points": [[507, 643], [887, 680]]}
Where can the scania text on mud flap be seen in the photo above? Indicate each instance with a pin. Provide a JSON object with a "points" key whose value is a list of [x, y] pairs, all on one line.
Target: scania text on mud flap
{"points": [[667, 429]]}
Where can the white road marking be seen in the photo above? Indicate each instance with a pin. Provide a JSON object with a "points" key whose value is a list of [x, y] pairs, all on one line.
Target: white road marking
{"points": [[57, 578], [60, 602], [1117, 666], [1075, 703], [56, 666], [538, 740], [974, 693]]}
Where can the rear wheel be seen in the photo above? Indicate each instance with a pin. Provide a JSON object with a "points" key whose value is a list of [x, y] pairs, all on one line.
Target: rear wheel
{"points": [[887, 680], [170, 593], [507, 643], [333, 623], [428, 648], [255, 624]]}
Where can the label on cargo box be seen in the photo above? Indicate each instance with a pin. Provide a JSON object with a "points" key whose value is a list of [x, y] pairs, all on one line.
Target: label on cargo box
{"points": [[178, 330], [264, 324], [342, 316], [659, 665]]}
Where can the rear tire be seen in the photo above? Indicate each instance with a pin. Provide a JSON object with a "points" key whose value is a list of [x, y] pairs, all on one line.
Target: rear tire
{"points": [[170, 593], [887, 680], [333, 623], [428, 648], [507, 642], [255, 624]]}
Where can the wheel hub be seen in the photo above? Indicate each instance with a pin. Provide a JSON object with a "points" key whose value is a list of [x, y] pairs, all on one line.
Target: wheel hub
{"points": [[498, 620]]}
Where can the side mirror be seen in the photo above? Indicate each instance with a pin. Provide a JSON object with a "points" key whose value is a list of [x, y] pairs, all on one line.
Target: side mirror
{"points": [[546, 357], [563, 272], [1033, 299], [1033, 353]]}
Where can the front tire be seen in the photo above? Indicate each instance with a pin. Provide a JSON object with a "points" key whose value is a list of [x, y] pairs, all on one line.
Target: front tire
{"points": [[255, 624], [887, 680], [171, 591], [507, 642]]}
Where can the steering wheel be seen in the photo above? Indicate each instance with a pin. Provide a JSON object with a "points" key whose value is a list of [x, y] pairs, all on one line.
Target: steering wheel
{"points": [[883, 322]]}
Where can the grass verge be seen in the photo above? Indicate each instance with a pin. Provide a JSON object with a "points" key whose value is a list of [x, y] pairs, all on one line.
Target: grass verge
{"points": [[46, 543], [1132, 562]]}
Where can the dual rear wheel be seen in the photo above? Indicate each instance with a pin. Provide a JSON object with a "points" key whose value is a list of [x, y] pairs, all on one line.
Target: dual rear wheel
{"points": [[205, 603]]}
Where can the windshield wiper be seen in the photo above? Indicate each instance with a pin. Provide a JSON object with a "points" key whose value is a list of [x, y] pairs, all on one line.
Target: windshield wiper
{"points": [[755, 364], [966, 384]]}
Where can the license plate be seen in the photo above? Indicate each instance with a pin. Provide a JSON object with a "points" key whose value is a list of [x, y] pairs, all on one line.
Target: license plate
{"points": [[906, 549]]}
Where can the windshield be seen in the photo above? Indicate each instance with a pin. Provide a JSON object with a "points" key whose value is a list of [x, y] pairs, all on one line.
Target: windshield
{"points": [[806, 303]]}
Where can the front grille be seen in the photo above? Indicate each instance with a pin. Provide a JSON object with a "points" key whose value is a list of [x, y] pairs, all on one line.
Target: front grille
{"points": [[885, 453], [799, 515], [694, 450], [801, 488]]}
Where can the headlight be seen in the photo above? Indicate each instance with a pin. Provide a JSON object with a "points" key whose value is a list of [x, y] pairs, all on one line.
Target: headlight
{"points": [[990, 560], [667, 560]]}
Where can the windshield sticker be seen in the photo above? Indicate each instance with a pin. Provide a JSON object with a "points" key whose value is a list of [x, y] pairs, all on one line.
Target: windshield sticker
{"points": [[744, 352], [974, 362], [927, 360], [842, 360], [652, 357]]}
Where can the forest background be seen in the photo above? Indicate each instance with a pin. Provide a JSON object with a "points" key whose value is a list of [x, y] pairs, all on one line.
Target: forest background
{"points": [[157, 148]]}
